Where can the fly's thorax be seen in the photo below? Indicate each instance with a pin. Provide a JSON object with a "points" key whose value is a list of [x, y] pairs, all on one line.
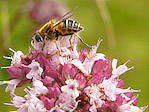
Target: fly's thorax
{"points": [[46, 27]]}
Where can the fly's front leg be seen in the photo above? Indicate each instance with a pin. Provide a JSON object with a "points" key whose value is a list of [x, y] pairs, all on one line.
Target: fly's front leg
{"points": [[44, 41]]}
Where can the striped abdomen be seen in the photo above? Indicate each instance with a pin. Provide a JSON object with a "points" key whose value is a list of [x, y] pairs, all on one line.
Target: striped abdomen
{"points": [[69, 27]]}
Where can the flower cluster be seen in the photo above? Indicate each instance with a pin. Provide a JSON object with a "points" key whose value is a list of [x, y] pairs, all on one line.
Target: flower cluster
{"points": [[67, 80]]}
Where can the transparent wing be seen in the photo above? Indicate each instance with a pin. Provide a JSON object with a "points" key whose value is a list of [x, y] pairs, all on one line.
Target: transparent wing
{"points": [[63, 17], [66, 16]]}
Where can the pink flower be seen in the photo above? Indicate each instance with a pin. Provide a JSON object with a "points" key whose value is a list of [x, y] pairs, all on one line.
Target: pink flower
{"points": [[119, 70], [65, 79], [91, 57], [12, 84], [129, 107], [95, 94], [35, 71], [48, 103], [71, 88], [81, 80], [18, 101], [16, 58], [38, 88]]}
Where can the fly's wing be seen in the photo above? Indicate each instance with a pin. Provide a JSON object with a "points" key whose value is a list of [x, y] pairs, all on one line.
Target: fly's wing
{"points": [[66, 16]]}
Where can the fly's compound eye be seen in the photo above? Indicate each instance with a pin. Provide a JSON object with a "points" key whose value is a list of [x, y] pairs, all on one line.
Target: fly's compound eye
{"points": [[38, 38]]}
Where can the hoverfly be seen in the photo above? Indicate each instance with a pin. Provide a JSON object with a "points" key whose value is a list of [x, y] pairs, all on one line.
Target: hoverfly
{"points": [[54, 29]]}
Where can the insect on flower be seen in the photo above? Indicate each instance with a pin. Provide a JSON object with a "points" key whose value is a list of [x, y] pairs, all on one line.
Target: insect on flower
{"points": [[54, 29]]}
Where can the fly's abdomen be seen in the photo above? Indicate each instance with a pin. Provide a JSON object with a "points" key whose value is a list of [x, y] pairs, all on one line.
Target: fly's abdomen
{"points": [[69, 27], [70, 24]]}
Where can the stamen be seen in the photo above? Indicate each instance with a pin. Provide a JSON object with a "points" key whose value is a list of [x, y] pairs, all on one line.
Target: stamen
{"points": [[126, 62], [7, 57], [8, 104], [5, 67], [99, 41], [131, 68], [136, 90], [27, 91], [132, 100], [2, 82], [12, 50], [144, 108]]}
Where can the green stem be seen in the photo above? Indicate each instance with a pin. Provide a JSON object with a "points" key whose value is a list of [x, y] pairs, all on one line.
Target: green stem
{"points": [[107, 22]]}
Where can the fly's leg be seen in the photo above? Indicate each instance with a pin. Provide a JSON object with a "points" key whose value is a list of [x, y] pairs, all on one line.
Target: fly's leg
{"points": [[70, 41], [58, 50], [44, 42], [82, 40]]}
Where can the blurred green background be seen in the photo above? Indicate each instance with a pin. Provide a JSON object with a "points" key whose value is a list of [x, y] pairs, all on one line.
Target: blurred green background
{"points": [[122, 24]]}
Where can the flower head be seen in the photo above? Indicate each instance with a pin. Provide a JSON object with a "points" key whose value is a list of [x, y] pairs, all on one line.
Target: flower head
{"points": [[65, 79]]}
